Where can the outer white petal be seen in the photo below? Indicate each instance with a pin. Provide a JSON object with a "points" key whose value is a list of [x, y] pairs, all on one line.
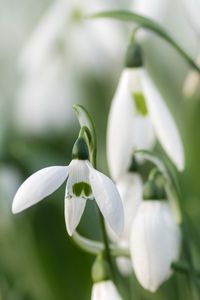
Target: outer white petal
{"points": [[74, 208], [105, 290], [108, 200], [127, 130], [163, 123], [38, 186], [155, 243]]}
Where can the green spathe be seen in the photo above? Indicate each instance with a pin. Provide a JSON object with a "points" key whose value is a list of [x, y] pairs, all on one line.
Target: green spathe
{"points": [[82, 188]]}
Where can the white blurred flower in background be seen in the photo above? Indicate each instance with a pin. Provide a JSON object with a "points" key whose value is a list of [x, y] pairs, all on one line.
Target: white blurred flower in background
{"points": [[60, 50], [130, 187], [192, 9]]}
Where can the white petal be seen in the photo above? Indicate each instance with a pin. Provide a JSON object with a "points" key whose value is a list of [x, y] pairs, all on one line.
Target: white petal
{"points": [[78, 172], [120, 124], [38, 186], [155, 243], [163, 123], [105, 290], [74, 208], [108, 200], [127, 131]]}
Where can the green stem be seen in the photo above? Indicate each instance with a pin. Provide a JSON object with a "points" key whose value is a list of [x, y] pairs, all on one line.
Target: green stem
{"points": [[148, 24], [107, 249], [96, 247]]}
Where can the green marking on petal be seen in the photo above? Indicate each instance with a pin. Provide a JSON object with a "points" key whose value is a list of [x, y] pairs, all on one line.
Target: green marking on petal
{"points": [[140, 103], [82, 188]]}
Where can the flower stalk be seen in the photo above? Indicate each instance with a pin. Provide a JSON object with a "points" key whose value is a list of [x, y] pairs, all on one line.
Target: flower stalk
{"points": [[144, 22]]}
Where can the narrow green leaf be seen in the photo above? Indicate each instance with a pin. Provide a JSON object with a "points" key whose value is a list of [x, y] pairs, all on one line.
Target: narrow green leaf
{"points": [[149, 24]]}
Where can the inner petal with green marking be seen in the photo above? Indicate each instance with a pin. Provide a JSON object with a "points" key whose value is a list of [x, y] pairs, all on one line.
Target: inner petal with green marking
{"points": [[140, 103], [82, 189]]}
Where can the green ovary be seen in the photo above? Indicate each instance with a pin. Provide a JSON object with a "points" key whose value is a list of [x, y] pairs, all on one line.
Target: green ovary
{"points": [[82, 188]]}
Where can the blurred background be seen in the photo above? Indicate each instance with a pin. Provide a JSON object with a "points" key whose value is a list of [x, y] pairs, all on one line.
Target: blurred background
{"points": [[50, 59]]}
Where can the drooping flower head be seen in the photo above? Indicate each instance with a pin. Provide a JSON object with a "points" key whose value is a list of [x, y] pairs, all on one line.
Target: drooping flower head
{"points": [[155, 238], [83, 182], [138, 116]]}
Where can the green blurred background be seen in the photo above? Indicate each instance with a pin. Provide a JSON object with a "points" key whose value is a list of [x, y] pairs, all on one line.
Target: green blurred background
{"points": [[38, 261]]}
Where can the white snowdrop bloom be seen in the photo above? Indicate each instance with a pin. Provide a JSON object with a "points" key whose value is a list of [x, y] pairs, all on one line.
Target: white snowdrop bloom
{"points": [[155, 243], [138, 114], [105, 290], [60, 49], [130, 188], [83, 182], [129, 126], [192, 8], [62, 26]]}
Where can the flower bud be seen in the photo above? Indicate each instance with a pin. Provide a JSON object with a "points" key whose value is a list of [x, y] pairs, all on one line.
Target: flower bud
{"points": [[100, 269]]}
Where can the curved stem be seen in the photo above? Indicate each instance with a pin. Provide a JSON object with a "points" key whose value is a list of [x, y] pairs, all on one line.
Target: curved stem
{"points": [[148, 24], [107, 249]]}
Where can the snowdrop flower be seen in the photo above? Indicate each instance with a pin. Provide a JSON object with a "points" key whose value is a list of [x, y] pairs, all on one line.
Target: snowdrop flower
{"points": [[105, 290], [83, 182], [143, 116], [62, 26], [59, 50], [130, 189], [155, 241]]}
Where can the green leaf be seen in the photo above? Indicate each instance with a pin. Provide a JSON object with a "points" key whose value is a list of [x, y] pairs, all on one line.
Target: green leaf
{"points": [[149, 24]]}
